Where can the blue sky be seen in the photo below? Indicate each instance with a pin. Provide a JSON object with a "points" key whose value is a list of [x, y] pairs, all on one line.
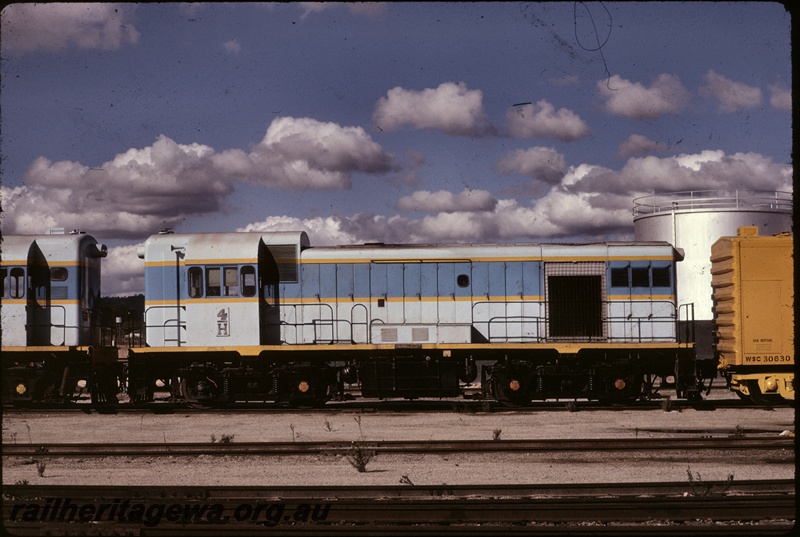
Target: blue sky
{"points": [[394, 122]]}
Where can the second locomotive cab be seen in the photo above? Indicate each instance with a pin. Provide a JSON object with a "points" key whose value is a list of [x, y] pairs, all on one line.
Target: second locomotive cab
{"points": [[50, 287], [265, 316]]}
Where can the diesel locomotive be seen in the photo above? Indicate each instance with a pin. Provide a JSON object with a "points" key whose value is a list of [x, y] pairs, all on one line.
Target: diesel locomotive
{"points": [[268, 317], [49, 326]]}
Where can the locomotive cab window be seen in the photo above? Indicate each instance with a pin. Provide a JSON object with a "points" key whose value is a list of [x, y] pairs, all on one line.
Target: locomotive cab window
{"points": [[640, 277], [16, 283], [213, 281], [248, 279], [231, 281], [195, 282], [58, 274], [620, 277], [661, 277]]}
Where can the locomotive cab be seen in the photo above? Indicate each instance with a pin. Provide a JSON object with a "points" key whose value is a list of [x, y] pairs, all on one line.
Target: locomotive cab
{"points": [[51, 284]]}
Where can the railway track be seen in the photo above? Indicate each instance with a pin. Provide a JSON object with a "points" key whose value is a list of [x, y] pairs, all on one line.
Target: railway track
{"points": [[583, 509], [165, 406], [447, 446]]}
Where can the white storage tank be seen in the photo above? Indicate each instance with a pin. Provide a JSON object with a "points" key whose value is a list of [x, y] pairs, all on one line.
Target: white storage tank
{"points": [[693, 221]]}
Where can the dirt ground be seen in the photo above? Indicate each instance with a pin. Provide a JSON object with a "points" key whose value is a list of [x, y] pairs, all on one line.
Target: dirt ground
{"points": [[391, 469]]}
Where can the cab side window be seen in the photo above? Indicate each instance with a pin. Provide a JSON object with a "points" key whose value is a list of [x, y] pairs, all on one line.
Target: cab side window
{"points": [[213, 281], [16, 283], [661, 277], [58, 274], [231, 281], [248, 279], [620, 277], [195, 282], [640, 277]]}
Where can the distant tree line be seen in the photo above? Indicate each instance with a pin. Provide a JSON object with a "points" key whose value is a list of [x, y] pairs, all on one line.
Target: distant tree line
{"points": [[122, 317]]}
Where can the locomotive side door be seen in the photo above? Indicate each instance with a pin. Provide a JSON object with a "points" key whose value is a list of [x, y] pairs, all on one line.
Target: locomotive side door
{"points": [[13, 310], [268, 294], [575, 294], [39, 305], [454, 293]]}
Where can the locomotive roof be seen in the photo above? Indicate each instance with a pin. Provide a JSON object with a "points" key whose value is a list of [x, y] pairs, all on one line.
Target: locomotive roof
{"points": [[378, 251], [68, 247], [233, 245]]}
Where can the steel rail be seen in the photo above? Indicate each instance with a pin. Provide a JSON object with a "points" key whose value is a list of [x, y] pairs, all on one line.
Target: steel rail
{"points": [[367, 405], [384, 510], [395, 446], [233, 493]]}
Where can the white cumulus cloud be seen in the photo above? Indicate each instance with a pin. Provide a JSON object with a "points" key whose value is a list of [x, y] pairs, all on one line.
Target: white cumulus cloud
{"points": [[541, 120], [445, 201], [780, 97], [135, 193], [55, 26], [306, 153], [666, 95], [636, 144], [450, 108], [232, 46], [541, 163], [369, 9], [123, 271], [732, 96], [142, 190]]}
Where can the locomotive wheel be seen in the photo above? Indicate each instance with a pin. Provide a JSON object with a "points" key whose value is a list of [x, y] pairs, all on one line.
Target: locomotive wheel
{"points": [[623, 390], [308, 402], [198, 390], [510, 392], [760, 398]]}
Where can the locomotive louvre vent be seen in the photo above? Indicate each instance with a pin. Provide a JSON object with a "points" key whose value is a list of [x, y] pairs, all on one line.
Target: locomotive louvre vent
{"points": [[286, 258], [419, 334], [388, 335], [58, 292]]}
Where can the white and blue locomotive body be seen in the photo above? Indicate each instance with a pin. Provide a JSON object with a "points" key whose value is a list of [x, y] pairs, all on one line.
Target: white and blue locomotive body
{"points": [[215, 289], [228, 289], [270, 312], [50, 287], [533, 293]]}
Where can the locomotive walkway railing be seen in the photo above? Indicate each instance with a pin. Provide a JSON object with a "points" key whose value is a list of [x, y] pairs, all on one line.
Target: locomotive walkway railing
{"points": [[172, 327], [641, 328], [616, 321], [52, 329], [712, 200]]}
